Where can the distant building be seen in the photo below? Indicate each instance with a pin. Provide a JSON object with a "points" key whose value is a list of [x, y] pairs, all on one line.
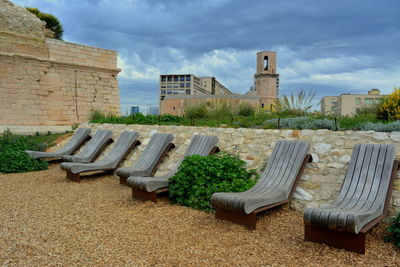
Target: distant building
{"points": [[180, 90], [350, 104], [134, 110], [153, 110], [188, 84]]}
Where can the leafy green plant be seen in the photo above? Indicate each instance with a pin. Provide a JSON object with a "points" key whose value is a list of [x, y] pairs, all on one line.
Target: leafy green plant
{"points": [[12, 155], [199, 177], [52, 22], [394, 231]]}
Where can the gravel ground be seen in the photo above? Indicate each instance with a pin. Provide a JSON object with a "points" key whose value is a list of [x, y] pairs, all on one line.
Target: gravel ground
{"points": [[46, 220]]}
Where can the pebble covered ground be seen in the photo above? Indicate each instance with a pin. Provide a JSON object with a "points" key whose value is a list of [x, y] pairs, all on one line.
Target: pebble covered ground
{"points": [[46, 220]]}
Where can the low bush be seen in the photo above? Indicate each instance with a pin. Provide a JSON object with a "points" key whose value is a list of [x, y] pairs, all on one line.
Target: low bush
{"points": [[301, 123], [199, 177], [389, 107], [381, 127], [246, 110], [394, 231], [14, 159]]}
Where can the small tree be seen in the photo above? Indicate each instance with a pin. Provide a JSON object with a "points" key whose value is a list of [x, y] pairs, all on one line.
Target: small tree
{"points": [[389, 108], [52, 23]]}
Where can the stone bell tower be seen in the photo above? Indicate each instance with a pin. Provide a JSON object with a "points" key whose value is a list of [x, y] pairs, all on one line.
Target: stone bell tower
{"points": [[266, 78]]}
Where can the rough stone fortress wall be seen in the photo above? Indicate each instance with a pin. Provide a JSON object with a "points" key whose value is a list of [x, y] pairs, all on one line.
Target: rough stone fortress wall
{"points": [[322, 179], [50, 82]]}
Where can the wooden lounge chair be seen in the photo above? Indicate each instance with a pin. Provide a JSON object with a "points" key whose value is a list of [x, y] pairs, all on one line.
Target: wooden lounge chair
{"points": [[275, 186], [362, 202], [151, 157], [127, 141], [147, 188], [77, 140], [93, 148]]}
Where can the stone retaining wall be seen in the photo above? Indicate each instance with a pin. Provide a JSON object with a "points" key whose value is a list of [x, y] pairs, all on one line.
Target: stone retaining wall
{"points": [[320, 184]]}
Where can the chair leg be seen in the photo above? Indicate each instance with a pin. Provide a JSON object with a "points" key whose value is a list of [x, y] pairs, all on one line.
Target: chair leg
{"points": [[122, 180], [248, 220], [337, 239], [143, 195], [73, 176]]}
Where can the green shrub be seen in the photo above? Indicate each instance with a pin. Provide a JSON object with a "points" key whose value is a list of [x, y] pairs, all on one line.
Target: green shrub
{"points": [[199, 177], [12, 155], [301, 123], [245, 110], [394, 231], [196, 111], [381, 127], [12, 161], [52, 22]]}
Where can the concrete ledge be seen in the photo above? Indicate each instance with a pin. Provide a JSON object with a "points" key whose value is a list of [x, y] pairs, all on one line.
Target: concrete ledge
{"points": [[33, 129]]}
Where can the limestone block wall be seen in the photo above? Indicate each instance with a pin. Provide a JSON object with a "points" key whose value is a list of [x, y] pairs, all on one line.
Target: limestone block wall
{"points": [[322, 179], [51, 82]]}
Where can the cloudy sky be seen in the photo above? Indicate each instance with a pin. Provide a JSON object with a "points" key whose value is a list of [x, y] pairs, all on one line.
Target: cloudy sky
{"points": [[332, 47]]}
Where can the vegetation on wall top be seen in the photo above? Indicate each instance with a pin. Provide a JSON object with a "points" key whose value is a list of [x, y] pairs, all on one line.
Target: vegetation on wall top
{"points": [[52, 22]]}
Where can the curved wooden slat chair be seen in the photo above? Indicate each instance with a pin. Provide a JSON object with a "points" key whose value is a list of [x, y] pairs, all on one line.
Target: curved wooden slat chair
{"points": [[362, 202], [151, 157], [93, 148], [80, 136], [125, 143], [275, 186], [147, 188]]}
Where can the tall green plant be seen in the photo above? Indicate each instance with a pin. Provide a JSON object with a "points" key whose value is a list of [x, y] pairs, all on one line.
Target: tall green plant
{"points": [[52, 22], [298, 104]]}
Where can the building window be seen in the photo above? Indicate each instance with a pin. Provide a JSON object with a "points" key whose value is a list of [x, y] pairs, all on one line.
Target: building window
{"points": [[182, 78], [188, 78], [169, 92], [266, 63], [188, 91], [173, 107], [163, 78], [358, 101], [163, 92], [175, 92], [162, 98], [175, 85], [188, 85], [176, 78], [169, 78], [369, 101], [169, 86], [182, 85], [163, 86]]}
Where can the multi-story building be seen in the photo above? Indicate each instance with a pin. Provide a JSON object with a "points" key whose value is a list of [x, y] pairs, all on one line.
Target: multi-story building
{"points": [[188, 84], [180, 90], [350, 104]]}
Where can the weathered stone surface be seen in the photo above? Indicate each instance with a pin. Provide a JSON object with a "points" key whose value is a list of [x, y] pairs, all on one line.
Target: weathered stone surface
{"points": [[302, 194], [322, 148], [379, 136], [395, 136], [17, 19], [345, 159]]}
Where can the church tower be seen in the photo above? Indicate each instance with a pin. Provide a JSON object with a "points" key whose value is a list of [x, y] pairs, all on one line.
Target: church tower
{"points": [[266, 78]]}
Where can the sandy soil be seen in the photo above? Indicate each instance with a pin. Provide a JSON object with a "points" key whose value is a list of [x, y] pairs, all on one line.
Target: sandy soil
{"points": [[46, 220]]}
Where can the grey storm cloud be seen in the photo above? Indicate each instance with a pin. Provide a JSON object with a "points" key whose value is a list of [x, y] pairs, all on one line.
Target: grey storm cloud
{"points": [[329, 46]]}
